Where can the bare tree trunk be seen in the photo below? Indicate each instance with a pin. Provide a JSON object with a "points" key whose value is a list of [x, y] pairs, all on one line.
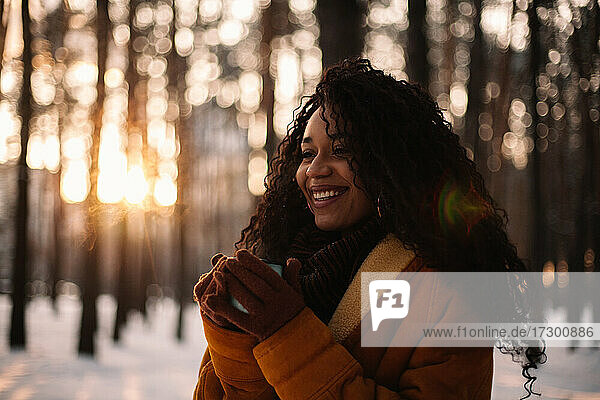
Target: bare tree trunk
{"points": [[341, 31], [55, 267], [184, 291], [21, 260], [140, 217], [538, 209], [90, 285], [594, 143], [595, 162], [2, 30], [122, 282], [268, 98], [147, 265], [177, 70], [588, 213], [418, 67], [55, 35], [125, 284], [476, 83]]}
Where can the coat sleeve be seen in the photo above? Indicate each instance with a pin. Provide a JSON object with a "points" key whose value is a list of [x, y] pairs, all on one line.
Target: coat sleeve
{"points": [[228, 369], [302, 361]]}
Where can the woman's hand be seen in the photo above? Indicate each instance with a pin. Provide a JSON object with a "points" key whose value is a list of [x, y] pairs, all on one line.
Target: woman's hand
{"points": [[291, 274], [207, 286], [206, 278], [269, 299]]}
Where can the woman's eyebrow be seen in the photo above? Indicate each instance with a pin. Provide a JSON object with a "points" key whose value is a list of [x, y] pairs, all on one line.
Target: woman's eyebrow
{"points": [[307, 139]]}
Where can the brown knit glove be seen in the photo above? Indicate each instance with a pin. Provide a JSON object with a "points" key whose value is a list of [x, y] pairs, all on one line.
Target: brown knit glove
{"points": [[207, 286], [291, 274], [206, 278], [269, 299]]}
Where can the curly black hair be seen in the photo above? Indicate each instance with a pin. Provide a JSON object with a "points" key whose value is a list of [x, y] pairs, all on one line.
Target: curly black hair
{"points": [[410, 164]]}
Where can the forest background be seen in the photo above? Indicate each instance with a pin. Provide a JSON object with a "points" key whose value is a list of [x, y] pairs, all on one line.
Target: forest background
{"points": [[136, 137]]}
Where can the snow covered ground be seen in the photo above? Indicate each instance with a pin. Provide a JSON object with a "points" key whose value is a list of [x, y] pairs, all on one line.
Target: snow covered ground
{"points": [[150, 364]]}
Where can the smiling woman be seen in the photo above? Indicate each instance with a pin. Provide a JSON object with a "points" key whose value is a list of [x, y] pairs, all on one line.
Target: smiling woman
{"points": [[370, 177], [327, 182]]}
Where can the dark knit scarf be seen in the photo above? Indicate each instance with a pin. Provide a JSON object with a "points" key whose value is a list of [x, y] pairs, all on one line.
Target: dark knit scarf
{"points": [[329, 262]]}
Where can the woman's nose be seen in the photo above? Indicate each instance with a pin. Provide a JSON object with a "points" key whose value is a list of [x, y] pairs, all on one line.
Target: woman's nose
{"points": [[318, 168]]}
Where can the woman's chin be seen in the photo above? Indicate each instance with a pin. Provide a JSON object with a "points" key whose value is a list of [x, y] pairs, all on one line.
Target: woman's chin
{"points": [[343, 223], [328, 225]]}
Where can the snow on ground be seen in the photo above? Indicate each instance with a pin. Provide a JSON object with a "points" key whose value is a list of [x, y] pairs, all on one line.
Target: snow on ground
{"points": [[149, 363]]}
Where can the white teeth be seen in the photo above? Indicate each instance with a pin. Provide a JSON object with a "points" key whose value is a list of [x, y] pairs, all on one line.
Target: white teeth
{"points": [[325, 194]]}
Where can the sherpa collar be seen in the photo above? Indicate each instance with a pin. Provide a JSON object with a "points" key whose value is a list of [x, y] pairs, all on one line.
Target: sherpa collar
{"points": [[388, 256]]}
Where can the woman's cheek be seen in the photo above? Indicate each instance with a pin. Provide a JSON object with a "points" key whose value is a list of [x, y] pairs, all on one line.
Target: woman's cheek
{"points": [[301, 181], [301, 177]]}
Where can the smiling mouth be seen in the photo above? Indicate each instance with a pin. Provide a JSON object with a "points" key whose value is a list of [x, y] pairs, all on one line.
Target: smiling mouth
{"points": [[322, 196]]}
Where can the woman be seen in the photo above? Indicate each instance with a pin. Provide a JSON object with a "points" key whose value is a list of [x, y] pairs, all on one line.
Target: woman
{"points": [[369, 178]]}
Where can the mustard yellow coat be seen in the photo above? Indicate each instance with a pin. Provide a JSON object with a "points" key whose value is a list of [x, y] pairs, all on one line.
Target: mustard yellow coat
{"points": [[306, 359]]}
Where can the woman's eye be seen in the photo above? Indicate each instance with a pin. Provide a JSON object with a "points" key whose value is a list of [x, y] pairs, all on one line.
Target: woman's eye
{"points": [[340, 151], [307, 154]]}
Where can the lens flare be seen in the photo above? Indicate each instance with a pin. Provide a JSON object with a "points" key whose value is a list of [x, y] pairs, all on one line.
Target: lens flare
{"points": [[459, 210]]}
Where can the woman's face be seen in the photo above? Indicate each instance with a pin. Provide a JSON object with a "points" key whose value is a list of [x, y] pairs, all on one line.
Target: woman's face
{"points": [[325, 178]]}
